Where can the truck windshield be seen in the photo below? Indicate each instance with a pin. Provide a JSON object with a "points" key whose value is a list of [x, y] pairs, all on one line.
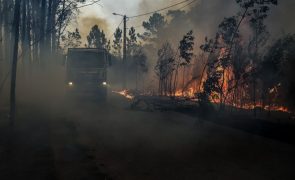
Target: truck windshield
{"points": [[86, 60]]}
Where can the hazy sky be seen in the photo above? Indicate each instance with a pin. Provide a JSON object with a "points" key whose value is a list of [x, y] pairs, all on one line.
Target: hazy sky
{"points": [[101, 15], [108, 7], [104, 12]]}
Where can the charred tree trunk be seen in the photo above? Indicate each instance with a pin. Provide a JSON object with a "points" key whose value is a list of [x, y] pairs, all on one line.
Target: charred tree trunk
{"points": [[14, 61]]}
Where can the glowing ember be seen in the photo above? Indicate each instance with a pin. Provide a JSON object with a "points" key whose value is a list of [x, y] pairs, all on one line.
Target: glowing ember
{"points": [[189, 93], [124, 93]]}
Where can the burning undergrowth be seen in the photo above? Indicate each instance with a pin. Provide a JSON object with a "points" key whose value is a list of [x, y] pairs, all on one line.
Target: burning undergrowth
{"points": [[239, 67]]}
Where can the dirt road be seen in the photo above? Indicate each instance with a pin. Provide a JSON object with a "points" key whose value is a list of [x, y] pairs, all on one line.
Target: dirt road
{"points": [[87, 140]]}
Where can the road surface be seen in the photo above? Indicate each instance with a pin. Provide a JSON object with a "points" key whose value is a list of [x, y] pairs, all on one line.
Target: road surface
{"points": [[88, 140]]}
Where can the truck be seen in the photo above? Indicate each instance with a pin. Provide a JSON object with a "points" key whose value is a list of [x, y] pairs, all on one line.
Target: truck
{"points": [[86, 73]]}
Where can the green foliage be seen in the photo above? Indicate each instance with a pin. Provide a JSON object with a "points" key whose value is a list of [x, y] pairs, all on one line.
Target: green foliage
{"points": [[155, 23], [131, 42], [209, 46], [72, 40], [132, 35], [117, 42], [108, 46], [96, 38], [252, 3], [186, 47], [166, 61]]}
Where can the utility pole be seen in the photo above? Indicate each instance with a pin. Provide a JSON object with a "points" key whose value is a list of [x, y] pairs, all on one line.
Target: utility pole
{"points": [[124, 74], [124, 54]]}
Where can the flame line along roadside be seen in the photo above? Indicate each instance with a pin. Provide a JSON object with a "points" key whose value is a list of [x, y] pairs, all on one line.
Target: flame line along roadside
{"points": [[125, 93]]}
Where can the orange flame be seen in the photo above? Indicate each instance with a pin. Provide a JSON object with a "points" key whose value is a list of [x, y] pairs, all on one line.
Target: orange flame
{"points": [[124, 93]]}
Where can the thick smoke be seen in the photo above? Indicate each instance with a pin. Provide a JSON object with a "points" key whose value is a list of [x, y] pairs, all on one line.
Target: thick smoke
{"points": [[204, 16], [86, 23], [280, 20]]}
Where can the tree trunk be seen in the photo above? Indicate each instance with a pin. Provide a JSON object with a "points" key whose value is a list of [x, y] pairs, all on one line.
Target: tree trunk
{"points": [[60, 22], [6, 24], [42, 33], [183, 79], [48, 28], [53, 26], [136, 81], [1, 43], [35, 32], [14, 61], [23, 33], [29, 38]]}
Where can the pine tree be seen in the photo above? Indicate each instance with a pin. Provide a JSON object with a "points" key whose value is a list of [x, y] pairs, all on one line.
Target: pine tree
{"points": [[117, 42], [96, 38]]}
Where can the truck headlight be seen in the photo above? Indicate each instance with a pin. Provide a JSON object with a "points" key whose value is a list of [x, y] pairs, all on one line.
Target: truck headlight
{"points": [[104, 83], [71, 84]]}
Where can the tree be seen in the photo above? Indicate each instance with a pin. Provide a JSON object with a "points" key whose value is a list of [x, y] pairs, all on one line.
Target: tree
{"points": [[276, 72], [227, 36], [1, 42], [258, 14], [108, 46], [131, 42], [164, 68], [139, 58], [186, 47], [155, 23], [223, 51], [72, 40], [117, 43], [96, 38], [214, 71], [16, 28]]}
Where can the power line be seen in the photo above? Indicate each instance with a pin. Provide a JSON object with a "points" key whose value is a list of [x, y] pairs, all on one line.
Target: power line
{"points": [[116, 29], [175, 10], [94, 2], [168, 7], [187, 5]]}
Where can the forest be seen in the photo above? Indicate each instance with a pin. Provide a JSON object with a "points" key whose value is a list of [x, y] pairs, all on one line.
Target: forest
{"points": [[142, 89], [241, 66]]}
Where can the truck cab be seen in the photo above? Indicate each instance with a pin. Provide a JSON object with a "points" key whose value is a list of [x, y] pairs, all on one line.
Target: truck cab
{"points": [[86, 73]]}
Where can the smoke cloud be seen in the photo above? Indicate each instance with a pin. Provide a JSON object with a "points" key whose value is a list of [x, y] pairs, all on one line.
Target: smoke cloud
{"points": [[204, 16], [86, 23]]}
